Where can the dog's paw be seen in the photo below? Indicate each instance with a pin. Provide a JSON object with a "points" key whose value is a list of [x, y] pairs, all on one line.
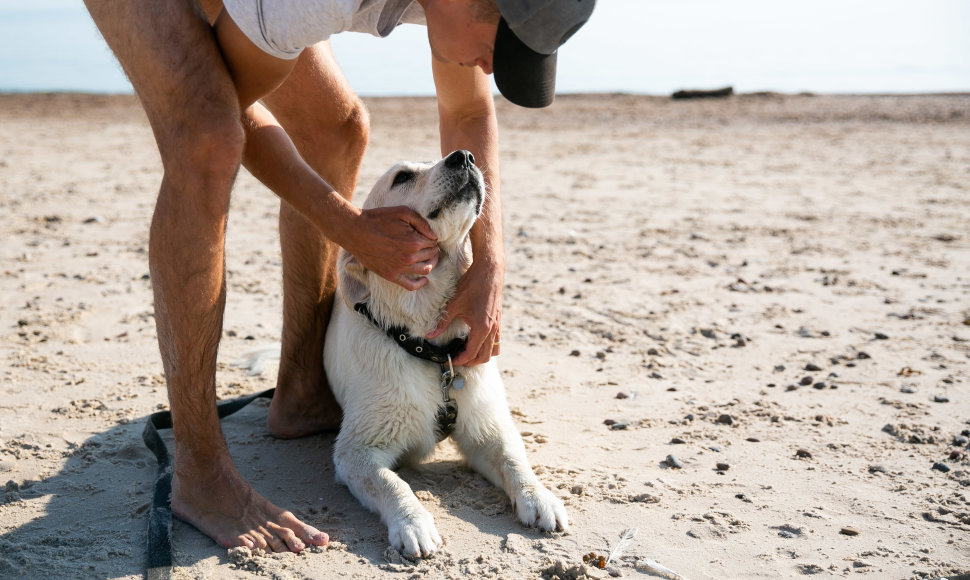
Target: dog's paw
{"points": [[414, 535], [537, 507]]}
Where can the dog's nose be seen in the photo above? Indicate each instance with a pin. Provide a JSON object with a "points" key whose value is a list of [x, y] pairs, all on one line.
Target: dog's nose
{"points": [[458, 159]]}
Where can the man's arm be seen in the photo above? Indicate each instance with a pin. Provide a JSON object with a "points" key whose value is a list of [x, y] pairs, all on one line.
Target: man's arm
{"points": [[466, 116], [273, 159]]}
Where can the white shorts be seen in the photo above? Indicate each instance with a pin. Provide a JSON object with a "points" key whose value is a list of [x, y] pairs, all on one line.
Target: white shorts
{"points": [[283, 28]]}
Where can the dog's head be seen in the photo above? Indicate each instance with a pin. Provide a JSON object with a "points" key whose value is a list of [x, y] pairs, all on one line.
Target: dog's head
{"points": [[448, 194]]}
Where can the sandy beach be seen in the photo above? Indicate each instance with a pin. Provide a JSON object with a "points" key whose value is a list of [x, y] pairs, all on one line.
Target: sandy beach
{"points": [[739, 327]]}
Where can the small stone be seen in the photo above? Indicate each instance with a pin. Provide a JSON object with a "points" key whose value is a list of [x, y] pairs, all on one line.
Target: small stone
{"points": [[609, 422], [803, 453], [849, 531], [960, 440], [708, 333], [725, 419], [621, 426], [574, 353], [790, 388], [881, 336], [644, 498], [753, 440], [812, 368], [806, 381], [909, 389], [677, 441], [819, 385], [673, 463], [723, 466], [940, 466], [779, 368], [742, 497], [577, 489], [862, 355], [878, 469], [940, 399], [622, 396]]}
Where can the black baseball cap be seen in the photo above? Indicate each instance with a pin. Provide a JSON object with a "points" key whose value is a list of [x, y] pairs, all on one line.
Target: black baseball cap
{"points": [[529, 34]]}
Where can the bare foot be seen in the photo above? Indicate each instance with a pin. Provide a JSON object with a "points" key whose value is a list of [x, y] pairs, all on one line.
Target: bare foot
{"points": [[223, 506], [297, 410]]}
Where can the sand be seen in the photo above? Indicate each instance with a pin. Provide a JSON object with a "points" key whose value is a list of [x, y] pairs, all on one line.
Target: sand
{"points": [[740, 327]]}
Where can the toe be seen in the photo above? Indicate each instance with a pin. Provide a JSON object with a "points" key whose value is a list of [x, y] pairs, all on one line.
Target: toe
{"points": [[289, 539]]}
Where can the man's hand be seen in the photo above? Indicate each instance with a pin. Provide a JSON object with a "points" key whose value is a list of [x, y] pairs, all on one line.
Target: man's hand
{"points": [[395, 243], [478, 302]]}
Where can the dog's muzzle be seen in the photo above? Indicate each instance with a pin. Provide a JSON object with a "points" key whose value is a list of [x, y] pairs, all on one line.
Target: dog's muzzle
{"points": [[464, 182]]}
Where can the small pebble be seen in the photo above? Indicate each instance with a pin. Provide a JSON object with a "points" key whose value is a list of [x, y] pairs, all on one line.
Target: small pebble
{"points": [[810, 367], [878, 469], [960, 440], [849, 531], [622, 396], [940, 466], [863, 355], [723, 466], [743, 497], [908, 389], [791, 388], [779, 368], [619, 426], [708, 333], [753, 440], [806, 381], [881, 336], [677, 441], [940, 399], [725, 419], [819, 385], [803, 453], [574, 353], [673, 462]]}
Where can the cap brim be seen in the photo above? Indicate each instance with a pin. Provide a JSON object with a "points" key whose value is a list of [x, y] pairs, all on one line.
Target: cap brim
{"points": [[524, 77]]}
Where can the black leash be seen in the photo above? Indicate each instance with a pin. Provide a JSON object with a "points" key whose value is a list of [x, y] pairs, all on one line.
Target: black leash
{"points": [[160, 515]]}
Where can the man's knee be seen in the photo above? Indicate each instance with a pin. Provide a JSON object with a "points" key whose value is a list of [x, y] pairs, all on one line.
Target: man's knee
{"points": [[201, 160], [335, 135]]}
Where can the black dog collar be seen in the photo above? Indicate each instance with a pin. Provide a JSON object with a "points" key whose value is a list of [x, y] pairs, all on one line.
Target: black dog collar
{"points": [[418, 347]]}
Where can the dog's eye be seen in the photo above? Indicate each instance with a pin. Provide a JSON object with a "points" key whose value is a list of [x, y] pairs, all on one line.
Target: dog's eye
{"points": [[403, 177]]}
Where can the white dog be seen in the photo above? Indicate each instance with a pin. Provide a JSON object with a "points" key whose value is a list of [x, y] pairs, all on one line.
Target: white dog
{"points": [[399, 393]]}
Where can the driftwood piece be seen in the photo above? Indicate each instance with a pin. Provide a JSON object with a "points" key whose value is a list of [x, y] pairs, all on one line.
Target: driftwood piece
{"points": [[703, 94]]}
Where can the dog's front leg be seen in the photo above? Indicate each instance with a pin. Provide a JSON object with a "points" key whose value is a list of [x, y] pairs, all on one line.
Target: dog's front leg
{"points": [[493, 447], [367, 472]]}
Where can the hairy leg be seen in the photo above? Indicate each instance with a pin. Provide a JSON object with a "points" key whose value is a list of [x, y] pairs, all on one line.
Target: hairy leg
{"points": [[328, 125], [169, 53]]}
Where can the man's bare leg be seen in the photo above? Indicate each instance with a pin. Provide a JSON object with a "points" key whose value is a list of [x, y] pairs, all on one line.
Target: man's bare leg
{"points": [[169, 53], [328, 125]]}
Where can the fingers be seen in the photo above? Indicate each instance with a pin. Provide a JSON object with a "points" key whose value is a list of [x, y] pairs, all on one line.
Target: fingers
{"points": [[419, 224], [479, 348]]}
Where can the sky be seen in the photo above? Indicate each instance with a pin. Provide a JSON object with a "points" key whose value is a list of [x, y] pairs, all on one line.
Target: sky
{"points": [[634, 46]]}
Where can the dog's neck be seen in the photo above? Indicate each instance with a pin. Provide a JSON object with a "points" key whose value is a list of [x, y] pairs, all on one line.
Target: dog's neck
{"points": [[420, 311]]}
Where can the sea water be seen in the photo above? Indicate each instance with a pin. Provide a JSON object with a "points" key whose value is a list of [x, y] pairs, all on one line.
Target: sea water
{"points": [[633, 46]]}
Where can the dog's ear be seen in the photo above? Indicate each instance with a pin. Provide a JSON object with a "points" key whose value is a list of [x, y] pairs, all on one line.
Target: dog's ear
{"points": [[352, 277]]}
